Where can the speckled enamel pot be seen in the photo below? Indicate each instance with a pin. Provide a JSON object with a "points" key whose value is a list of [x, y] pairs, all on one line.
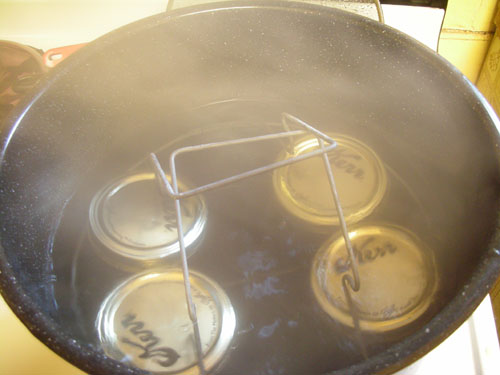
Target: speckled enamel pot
{"points": [[341, 72]]}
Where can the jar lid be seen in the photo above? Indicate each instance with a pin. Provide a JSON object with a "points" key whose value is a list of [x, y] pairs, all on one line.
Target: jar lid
{"points": [[397, 276], [145, 323], [304, 190], [135, 222]]}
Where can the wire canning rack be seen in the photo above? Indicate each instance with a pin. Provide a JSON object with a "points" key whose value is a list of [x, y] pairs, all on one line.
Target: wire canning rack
{"points": [[350, 281]]}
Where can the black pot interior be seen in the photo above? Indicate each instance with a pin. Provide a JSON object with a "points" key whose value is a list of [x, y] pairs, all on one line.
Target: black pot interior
{"points": [[169, 81]]}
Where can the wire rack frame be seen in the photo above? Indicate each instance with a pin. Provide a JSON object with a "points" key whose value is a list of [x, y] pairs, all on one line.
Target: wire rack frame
{"points": [[171, 189]]}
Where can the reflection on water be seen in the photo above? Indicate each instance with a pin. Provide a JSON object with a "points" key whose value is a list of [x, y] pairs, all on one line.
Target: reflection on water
{"points": [[259, 254]]}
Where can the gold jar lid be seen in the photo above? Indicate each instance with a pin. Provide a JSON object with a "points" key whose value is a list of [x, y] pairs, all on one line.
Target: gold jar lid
{"points": [[138, 225], [303, 187], [397, 277], [145, 323]]}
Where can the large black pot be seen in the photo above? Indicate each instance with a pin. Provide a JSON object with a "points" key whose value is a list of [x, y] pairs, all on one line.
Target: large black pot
{"points": [[136, 89]]}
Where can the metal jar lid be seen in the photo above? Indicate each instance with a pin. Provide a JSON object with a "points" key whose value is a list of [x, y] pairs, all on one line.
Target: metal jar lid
{"points": [[144, 322], [136, 223], [397, 276], [303, 187]]}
